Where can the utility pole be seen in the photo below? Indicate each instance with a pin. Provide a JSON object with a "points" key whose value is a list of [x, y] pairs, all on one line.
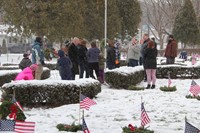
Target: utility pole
{"points": [[105, 41]]}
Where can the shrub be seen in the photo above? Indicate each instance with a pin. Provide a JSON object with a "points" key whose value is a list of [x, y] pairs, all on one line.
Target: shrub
{"points": [[183, 72], [168, 89], [37, 93], [124, 77]]}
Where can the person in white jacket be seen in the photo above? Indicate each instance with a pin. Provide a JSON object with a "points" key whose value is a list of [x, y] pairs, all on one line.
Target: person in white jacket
{"points": [[133, 54]]}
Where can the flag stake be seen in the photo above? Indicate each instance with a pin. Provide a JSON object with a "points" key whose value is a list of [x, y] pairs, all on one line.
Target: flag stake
{"points": [[79, 107], [14, 92]]}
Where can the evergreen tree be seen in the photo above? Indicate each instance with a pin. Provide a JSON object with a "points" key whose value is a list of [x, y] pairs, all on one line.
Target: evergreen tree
{"points": [[130, 12], [56, 19], [185, 26], [61, 19]]}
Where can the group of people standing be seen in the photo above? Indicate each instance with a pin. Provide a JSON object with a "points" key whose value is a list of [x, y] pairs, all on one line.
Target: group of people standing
{"points": [[145, 53], [76, 58]]}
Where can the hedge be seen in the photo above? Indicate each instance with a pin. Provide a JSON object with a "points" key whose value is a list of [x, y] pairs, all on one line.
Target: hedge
{"points": [[177, 71], [51, 93], [124, 77], [7, 76]]}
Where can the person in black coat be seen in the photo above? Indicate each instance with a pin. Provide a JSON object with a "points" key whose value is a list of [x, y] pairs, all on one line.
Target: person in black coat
{"points": [[73, 55], [25, 62], [110, 58], [64, 65], [82, 59], [150, 64]]}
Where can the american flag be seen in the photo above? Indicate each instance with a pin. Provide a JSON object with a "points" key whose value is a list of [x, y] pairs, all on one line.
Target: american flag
{"points": [[84, 127], [16, 126], [194, 88], [144, 117], [24, 127], [17, 103], [189, 128], [86, 102], [193, 60]]}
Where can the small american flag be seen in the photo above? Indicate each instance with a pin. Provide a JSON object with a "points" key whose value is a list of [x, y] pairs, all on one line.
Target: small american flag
{"points": [[144, 117], [16, 126], [193, 60], [194, 88], [84, 127], [17, 103], [24, 127], [86, 102], [189, 128], [169, 81]]}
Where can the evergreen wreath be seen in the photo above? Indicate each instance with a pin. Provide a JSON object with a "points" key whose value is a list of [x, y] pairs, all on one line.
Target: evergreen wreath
{"points": [[132, 129], [168, 89], [9, 109], [71, 128]]}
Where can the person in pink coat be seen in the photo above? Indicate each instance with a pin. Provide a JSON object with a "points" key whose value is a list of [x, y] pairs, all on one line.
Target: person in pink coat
{"points": [[27, 73]]}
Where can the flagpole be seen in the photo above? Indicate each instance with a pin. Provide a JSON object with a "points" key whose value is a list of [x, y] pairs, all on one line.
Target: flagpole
{"points": [[14, 92], [79, 107], [105, 28], [141, 112]]}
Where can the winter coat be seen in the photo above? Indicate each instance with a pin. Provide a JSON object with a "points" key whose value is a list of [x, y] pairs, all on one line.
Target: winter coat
{"points": [[64, 64], [93, 55], [25, 62], [37, 54], [110, 59], [171, 49], [82, 58], [26, 74], [143, 47], [133, 52], [101, 62], [73, 55], [150, 55]]}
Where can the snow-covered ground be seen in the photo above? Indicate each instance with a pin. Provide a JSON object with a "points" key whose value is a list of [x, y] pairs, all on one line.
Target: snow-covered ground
{"points": [[118, 108]]}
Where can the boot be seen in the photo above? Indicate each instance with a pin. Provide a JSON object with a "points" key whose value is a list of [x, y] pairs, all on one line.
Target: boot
{"points": [[148, 86], [153, 87]]}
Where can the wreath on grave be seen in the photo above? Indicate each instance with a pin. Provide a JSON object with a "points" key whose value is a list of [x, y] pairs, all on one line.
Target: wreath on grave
{"points": [[168, 89], [135, 88], [192, 97], [72, 128], [9, 110], [134, 129]]}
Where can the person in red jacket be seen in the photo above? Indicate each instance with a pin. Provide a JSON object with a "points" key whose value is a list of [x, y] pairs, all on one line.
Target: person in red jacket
{"points": [[171, 50]]}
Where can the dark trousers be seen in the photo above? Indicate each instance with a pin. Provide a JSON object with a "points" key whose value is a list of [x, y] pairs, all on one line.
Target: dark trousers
{"points": [[94, 66], [110, 65], [141, 61], [101, 75], [82, 68], [132, 62], [170, 60]]}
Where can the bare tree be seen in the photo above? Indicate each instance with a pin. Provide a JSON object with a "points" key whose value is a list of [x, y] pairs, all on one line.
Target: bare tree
{"points": [[159, 15]]}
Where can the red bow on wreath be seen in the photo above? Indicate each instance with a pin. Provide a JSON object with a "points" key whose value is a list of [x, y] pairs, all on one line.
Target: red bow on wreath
{"points": [[132, 128], [13, 114]]}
